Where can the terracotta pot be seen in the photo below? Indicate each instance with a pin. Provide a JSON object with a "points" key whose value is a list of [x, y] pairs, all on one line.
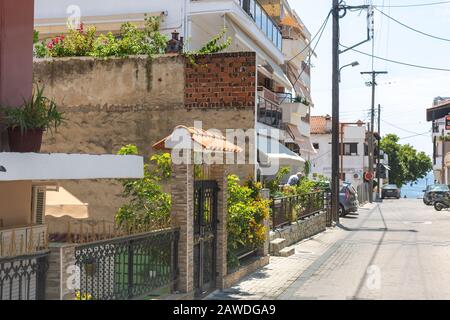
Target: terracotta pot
{"points": [[29, 141]]}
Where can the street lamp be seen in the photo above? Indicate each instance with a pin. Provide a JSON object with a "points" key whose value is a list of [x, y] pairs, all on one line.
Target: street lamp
{"points": [[353, 64]]}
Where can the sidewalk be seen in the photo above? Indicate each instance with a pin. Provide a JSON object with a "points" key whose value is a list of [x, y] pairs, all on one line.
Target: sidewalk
{"points": [[272, 281]]}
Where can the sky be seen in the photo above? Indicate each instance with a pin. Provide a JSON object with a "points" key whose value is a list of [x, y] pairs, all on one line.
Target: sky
{"points": [[405, 92]]}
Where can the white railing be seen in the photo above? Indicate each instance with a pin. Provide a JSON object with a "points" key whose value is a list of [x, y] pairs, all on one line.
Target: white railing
{"points": [[22, 240]]}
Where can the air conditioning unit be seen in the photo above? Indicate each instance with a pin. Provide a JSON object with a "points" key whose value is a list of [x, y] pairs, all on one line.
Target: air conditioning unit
{"points": [[38, 204]]}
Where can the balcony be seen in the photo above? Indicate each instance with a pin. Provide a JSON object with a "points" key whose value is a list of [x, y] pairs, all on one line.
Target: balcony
{"points": [[269, 113], [264, 22], [22, 240]]}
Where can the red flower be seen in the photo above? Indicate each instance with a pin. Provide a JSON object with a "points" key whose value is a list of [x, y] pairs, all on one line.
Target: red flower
{"points": [[50, 46], [62, 37]]}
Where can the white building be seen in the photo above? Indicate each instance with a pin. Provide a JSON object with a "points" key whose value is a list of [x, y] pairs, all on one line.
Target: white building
{"points": [[353, 159], [438, 114], [270, 28]]}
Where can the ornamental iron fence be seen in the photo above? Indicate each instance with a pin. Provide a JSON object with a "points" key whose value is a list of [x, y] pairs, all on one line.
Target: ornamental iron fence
{"points": [[24, 277], [286, 210], [130, 267]]}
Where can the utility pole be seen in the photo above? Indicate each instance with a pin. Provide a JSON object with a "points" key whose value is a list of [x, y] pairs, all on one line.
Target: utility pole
{"points": [[372, 125], [378, 154], [335, 117]]}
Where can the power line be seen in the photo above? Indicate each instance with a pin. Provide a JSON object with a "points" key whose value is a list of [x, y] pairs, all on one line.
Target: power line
{"points": [[416, 135], [399, 62], [400, 128], [414, 5], [312, 40], [319, 33], [411, 28]]}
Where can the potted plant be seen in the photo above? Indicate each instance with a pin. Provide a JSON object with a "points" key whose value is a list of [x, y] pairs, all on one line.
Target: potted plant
{"points": [[27, 123]]}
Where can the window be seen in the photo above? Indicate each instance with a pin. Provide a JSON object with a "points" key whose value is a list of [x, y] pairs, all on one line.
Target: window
{"points": [[350, 149], [293, 147], [316, 146]]}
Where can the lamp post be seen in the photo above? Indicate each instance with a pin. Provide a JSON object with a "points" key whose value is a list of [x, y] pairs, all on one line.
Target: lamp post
{"points": [[353, 64]]}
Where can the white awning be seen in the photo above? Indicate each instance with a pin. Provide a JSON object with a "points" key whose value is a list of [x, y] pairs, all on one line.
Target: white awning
{"points": [[306, 145], [59, 166], [273, 153]]}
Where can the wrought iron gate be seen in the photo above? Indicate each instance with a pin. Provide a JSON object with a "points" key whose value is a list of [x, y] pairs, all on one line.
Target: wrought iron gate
{"points": [[205, 227]]}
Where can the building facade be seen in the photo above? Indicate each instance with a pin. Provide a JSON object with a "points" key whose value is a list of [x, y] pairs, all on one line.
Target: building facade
{"points": [[271, 29]]}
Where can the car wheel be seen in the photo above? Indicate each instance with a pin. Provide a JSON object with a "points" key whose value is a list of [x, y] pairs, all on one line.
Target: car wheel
{"points": [[438, 206], [426, 202], [341, 210]]}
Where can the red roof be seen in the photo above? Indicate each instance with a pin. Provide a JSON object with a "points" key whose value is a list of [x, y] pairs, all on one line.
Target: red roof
{"points": [[319, 124], [208, 141]]}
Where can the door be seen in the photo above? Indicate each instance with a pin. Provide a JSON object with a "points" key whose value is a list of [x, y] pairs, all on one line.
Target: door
{"points": [[205, 227]]}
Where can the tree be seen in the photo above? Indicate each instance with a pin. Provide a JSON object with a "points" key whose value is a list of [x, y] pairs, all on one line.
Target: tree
{"points": [[406, 163]]}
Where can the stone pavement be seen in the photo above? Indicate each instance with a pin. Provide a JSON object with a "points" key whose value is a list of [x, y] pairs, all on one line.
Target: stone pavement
{"points": [[276, 279]]}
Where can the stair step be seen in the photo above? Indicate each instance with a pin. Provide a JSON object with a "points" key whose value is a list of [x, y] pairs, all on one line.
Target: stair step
{"points": [[276, 245], [286, 252]]}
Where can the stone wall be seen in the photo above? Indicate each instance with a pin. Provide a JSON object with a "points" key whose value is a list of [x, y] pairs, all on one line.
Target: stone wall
{"points": [[301, 230], [137, 100], [62, 259]]}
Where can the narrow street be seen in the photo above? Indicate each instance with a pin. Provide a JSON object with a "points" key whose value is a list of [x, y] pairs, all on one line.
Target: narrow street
{"points": [[396, 250]]}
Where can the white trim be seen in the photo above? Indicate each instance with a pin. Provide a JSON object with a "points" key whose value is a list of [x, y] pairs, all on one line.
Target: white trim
{"points": [[54, 166]]}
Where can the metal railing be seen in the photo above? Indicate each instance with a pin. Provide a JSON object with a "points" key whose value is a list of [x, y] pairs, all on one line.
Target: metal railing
{"points": [[263, 21], [269, 113], [24, 277], [130, 267], [16, 241], [286, 210]]}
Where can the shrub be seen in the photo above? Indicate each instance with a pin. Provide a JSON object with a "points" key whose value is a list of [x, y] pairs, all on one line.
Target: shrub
{"points": [[246, 214], [148, 206]]}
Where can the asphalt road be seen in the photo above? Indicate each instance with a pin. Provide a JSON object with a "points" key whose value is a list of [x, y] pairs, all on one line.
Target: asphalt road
{"points": [[397, 250]]}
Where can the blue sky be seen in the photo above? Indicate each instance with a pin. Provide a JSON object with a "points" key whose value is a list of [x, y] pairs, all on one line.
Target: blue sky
{"points": [[405, 92]]}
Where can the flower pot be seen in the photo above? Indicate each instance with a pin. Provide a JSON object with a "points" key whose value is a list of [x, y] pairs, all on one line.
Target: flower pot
{"points": [[28, 141]]}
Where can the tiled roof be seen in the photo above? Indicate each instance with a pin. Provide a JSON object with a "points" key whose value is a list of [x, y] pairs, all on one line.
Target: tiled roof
{"points": [[319, 124], [207, 140]]}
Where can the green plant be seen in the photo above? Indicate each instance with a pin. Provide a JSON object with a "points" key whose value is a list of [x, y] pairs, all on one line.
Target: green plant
{"points": [[307, 168], [274, 184], [84, 42], [246, 215], [39, 112], [300, 99], [148, 205], [212, 46]]}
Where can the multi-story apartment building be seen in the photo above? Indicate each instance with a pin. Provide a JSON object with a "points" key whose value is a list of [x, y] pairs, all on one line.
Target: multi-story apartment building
{"points": [[270, 28], [438, 115], [354, 160]]}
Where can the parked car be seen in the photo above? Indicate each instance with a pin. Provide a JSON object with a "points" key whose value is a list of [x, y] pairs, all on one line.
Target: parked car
{"points": [[348, 199], [432, 191], [390, 191]]}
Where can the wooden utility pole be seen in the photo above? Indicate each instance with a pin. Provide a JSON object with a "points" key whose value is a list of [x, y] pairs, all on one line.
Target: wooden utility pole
{"points": [[335, 117], [372, 125], [378, 153]]}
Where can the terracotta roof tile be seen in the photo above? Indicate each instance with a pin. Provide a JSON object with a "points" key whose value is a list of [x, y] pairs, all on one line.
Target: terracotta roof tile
{"points": [[319, 124], [209, 141]]}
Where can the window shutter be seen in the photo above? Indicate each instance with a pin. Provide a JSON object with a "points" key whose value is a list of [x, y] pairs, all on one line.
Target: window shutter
{"points": [[38, 204]]}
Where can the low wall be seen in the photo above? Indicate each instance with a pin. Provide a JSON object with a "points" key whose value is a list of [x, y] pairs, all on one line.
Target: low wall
{"points": [[302, 229], [62, 258], [234, 277]]}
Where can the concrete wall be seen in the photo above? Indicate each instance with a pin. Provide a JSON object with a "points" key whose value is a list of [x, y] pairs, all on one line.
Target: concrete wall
{"points": [[114, 102], [15, 199]]}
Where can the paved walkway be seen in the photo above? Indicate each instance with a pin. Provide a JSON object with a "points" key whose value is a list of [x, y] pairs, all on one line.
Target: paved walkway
{"points": [[275, 279], [397, 250]]}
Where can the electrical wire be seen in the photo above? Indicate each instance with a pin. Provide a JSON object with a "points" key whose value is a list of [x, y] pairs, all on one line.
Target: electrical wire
{"points": [[312, 40], [411, 28], [416, 135], [319, 33], [397, 127], [398, 62], [413, 5]]}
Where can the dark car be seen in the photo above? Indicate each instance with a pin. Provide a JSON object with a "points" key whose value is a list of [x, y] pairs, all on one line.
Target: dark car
{"points": [[390, 191], [348, 199], [433, 191]]}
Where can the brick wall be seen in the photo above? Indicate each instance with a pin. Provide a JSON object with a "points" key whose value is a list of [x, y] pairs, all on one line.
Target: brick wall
{"points": [[221, 80]]}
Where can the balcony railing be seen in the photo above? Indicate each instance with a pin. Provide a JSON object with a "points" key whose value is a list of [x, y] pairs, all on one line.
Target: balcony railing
{"points": [[269, 113], [23, 240], [264, 22]]}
